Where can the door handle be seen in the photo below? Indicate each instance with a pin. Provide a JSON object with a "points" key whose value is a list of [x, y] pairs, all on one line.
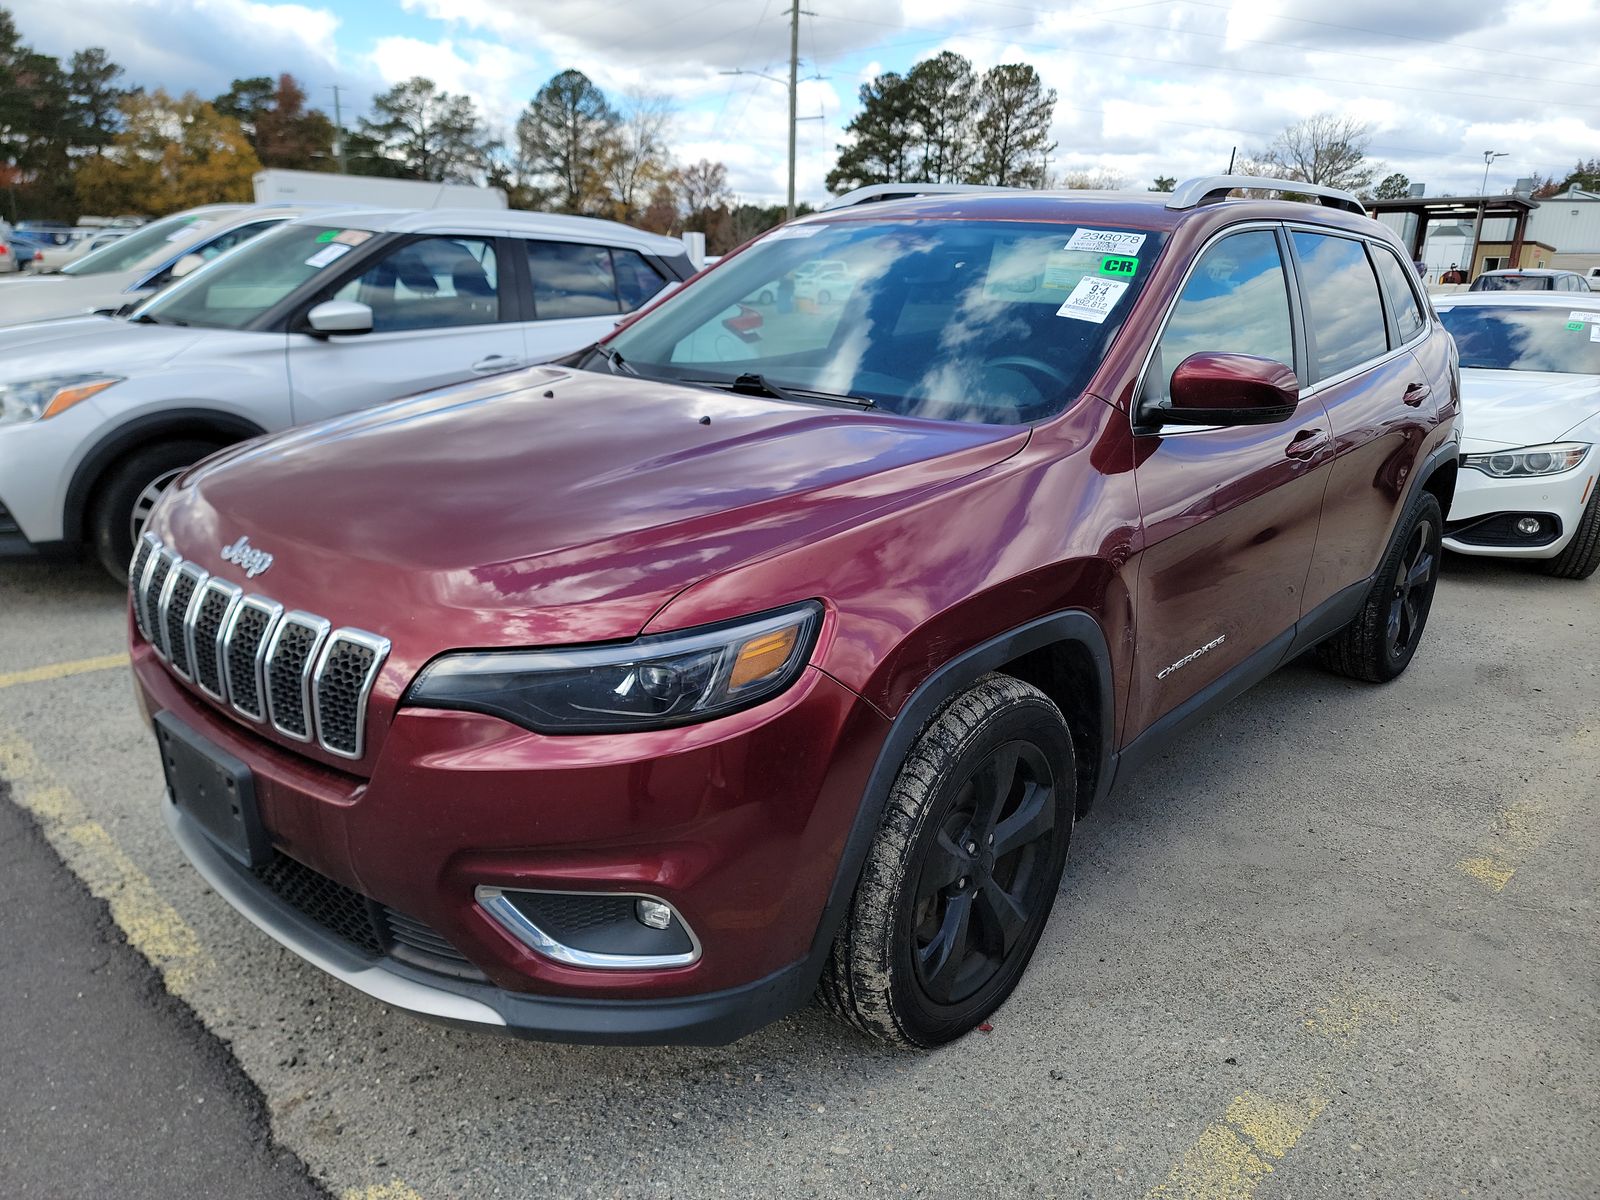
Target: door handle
{"points": [[495, 362], [1416, 394], [1307, 443]]}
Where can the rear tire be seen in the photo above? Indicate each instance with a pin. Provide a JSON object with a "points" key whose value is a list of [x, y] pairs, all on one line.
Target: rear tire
{"points": [[123, 501], [959, 883], [1582, 554], [1379, 644]]}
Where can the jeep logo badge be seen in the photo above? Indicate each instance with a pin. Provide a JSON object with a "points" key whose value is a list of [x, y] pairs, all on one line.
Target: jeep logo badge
{"points": [[247, 558]]}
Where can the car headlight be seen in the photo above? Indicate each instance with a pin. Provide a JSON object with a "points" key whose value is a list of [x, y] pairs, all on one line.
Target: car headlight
{"points": [[653, 682], [1529, 461], [37, 399]]}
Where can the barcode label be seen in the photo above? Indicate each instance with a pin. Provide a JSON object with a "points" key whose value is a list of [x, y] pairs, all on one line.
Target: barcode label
{"points": [[1093, 299]]}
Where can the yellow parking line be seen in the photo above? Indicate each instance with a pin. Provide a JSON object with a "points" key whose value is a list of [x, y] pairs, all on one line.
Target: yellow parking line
{"points": [[106, 662], [151, 925], [397, 1190], [1233, 1156]]}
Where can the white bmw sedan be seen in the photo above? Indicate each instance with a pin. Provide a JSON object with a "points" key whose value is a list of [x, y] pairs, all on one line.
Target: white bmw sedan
{"points": [[1530, 384]]}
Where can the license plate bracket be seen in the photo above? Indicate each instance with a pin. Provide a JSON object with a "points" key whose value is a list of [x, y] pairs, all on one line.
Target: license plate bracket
{"points": [[214, 788]]}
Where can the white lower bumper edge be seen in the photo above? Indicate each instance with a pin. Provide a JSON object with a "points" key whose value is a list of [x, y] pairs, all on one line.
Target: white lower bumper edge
{"points": [[374, 981]]}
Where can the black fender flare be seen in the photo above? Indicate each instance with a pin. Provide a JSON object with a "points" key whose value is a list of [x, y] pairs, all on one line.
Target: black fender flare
{"points": [[1443, 455], [185, 422], [950, 679]]}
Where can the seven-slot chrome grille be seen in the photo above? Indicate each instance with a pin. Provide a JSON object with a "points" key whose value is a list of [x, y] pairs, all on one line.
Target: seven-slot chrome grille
{"points": [[290, 670]]}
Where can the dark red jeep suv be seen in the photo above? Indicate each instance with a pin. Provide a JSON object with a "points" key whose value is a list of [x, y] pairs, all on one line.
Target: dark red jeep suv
{"points": [[774, 645]]}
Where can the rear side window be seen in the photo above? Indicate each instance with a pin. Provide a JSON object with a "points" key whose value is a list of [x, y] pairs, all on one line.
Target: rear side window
{"points": [[1236, 301], [1407, 312], [1342, 304], [575, 280]]}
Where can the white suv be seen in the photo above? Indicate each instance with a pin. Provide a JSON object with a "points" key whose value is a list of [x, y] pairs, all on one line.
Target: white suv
{"points": [[134, 266], [324, 315]]}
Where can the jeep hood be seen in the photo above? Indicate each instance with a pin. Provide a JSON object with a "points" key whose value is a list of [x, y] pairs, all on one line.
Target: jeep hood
{"points": [[549, 506], [49, 297], [87, 345], [1525, 408]]}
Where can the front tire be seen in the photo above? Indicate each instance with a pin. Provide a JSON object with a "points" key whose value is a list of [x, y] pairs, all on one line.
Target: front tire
{"points": [[959, 883], [1581, 556], [1379, 644], [124, 499]]}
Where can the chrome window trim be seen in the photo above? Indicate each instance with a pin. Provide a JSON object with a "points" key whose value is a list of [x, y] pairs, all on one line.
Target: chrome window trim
{"points": [[141, 586], [380, 648], [194, 571], [320, 627], [233, 592], [273, 611], [493, 901], [174, 560]]}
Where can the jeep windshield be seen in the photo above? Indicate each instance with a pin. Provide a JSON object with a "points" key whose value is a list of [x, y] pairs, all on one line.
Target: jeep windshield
{"points": [[996, 322]]}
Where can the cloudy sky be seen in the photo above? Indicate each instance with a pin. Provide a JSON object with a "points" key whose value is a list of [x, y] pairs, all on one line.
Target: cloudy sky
{"points": [[1164, 86]]}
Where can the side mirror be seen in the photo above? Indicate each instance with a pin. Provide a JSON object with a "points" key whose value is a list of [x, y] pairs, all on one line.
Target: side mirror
{"points": [[340, 316], [1214, 388], [186, 264]]}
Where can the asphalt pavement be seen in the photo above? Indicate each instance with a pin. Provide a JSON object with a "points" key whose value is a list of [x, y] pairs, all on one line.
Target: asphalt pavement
{"points": [[1340, 941]]}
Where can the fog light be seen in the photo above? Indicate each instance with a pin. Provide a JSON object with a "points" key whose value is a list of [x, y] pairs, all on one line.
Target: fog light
{"points": [[653, 913], [1528, 526]]}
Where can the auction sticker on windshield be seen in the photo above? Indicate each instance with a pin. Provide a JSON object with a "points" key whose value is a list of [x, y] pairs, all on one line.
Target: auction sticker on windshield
{"points": [[1105, 241], [1093, 299]]}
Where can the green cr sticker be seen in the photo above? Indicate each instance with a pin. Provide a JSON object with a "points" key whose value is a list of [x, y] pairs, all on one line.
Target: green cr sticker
{"points": [[1576, 326], [1116, 264], [327, 235]]}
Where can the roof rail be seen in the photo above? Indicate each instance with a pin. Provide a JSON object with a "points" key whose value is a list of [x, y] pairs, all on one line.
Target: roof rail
{"points": [[875, 192], [1193, 192]]}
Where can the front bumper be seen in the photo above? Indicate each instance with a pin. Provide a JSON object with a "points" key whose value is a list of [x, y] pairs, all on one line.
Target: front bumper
{"points": [[739, 824], [1479, 496]]}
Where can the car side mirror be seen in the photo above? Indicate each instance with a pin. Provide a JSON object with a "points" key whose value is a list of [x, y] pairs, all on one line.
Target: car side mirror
{"points": [[1213, 388], [340, 316], [186, 264]]}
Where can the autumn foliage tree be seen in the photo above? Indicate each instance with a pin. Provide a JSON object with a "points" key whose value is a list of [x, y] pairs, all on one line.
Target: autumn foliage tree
{"points": [[171, 154]]}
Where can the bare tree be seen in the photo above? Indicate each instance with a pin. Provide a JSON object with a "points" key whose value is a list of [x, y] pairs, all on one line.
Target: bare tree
{"points": [[1326, 149], [638, 158], [1089, 180]]}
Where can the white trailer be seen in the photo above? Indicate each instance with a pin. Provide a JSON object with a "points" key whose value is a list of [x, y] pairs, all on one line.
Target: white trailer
{"points": [[319, 187]]}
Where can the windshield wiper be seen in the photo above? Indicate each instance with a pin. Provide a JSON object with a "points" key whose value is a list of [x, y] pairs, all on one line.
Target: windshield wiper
{"points": [[614, 360], [753, 384], [147, 319]]}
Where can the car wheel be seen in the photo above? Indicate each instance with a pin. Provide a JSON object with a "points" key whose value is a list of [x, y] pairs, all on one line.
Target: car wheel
{"points": [[766, 297], [824, 297], [959, 882], [123, 502], [1582, 553], [1379, 644]]}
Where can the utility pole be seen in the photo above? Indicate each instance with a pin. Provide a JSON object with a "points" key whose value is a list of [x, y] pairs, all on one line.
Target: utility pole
{"points": [[793, 83], [338, 132], [794, 95]]}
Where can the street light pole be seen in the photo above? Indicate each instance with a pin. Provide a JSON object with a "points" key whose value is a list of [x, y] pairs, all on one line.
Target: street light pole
{"points": [[1488, 157], [1477, 225], [794, 86]]}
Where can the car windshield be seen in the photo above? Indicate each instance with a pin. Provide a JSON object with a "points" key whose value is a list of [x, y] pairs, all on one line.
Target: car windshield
{"points": [[128, 252], [235, 289], [987, 321], [1503, 338], [1513, 283]]}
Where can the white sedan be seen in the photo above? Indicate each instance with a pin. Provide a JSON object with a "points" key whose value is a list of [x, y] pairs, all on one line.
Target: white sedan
{"points": [[1530, 384]]}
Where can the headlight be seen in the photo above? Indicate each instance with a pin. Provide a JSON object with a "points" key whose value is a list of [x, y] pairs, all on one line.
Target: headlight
{"points": [[40, 398], [651, 683], [1530, 460]]}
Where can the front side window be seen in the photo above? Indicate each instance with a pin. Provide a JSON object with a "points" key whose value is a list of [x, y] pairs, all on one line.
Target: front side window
{"points": [[1342, 304], [234, 291], [1502, 338], [429, 283], [986, 321], [128, 251], [1402, 297], [1236, 301]]}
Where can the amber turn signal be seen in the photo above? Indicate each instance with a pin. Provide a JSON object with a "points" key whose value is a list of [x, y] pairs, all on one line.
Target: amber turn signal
{"points": [[68, 396], [762, 656]]}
